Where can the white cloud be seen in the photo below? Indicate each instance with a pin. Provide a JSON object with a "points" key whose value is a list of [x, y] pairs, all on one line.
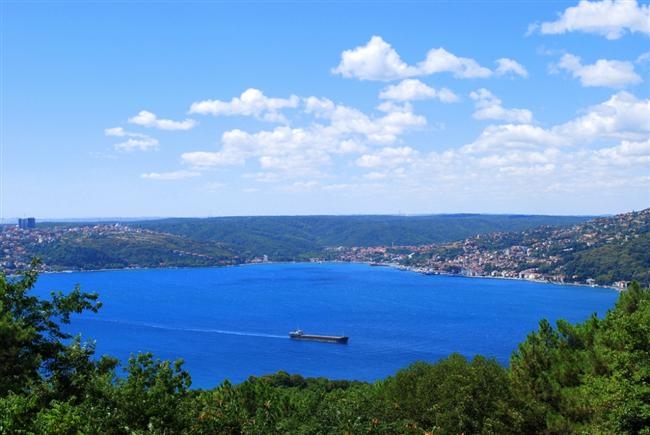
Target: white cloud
{"points": [[507, 66], [207, 159], [514, 136], [144, 144], [621, 117], [610, 18], [388, 157], [413, 89], [252, 102], [120, 132], [296, 164], [175, 175], [148, 119], [440, 60], [627, 153], [378, 60], [346, 120], [607, 73], [446, 96], [135, 141], [643, 58], [335, 132], [489, 106]]}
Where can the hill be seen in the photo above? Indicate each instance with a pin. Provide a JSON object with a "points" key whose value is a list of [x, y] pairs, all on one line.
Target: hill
{"points": [[599, 251], [288, 238], [103, 246]]}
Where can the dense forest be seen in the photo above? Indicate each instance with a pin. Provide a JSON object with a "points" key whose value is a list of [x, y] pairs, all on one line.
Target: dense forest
{"points": [[592, 377]]}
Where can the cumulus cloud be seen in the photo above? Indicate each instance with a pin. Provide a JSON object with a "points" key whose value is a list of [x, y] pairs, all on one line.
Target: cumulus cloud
{"points": [[627, 153], [334, 132], [606, 73], [378, 60], [413, 89], [252, 102], [607, 147], [346, 120], [148, 119], [622, 117], [507, 66], [166, 176], [513, 136], [440, 60], [610, 18], [488, 106]]}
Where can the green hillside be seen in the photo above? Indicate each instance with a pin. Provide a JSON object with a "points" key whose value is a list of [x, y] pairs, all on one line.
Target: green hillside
{"points": [[295, 237], [622, 260], [106, 250]]}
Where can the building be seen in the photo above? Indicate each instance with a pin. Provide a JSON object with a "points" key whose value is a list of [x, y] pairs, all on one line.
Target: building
{"points": [[27, 223]]}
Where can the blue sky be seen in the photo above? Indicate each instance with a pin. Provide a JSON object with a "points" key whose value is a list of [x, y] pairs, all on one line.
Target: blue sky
{"points": [[280, 108]]}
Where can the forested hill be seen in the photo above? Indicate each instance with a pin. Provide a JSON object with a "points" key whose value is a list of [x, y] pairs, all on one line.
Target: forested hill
{"points": [[296, 237]]}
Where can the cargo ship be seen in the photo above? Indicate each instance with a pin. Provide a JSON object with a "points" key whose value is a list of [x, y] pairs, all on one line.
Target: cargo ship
{"points": [[298, 334]]}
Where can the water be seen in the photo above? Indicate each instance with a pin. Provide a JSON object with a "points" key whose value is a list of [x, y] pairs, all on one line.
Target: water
{"points": [[230, 323]]}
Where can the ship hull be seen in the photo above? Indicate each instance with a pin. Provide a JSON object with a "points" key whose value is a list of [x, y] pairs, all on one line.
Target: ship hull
{"points": [[339, 339]]}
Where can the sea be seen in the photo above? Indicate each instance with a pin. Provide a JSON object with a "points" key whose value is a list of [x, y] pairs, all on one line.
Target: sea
{"points": [[230, 323]]}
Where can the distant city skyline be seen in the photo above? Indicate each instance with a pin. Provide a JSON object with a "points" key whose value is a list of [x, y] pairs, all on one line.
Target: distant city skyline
{"points": [[173, 109]]}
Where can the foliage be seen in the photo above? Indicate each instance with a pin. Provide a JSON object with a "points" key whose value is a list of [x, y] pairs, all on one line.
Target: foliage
{"points": [[285, 238], [591, 377], [621, 261], [129, 249], [32, 344]]}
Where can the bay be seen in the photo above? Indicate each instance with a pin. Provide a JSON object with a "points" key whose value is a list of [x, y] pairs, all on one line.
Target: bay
{"points": [[233, 322]]}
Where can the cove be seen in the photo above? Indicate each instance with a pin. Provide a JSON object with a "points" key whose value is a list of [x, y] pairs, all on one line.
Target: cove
{"points": [[233, 322]]}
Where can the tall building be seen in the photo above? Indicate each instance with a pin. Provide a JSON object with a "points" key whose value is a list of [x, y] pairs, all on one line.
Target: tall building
{"points": [[27, 223]]}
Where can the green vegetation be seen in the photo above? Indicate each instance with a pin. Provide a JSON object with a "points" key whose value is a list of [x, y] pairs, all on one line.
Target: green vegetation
{"points": [[592, 377], [119, 249], [288, 238], [622, 260]]}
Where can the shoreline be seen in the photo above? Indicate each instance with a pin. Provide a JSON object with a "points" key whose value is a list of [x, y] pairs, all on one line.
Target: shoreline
{"points": [[395, 266]]}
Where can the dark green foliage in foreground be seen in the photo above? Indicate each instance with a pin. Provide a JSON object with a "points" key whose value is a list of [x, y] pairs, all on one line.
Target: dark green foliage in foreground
{"points": [[592, 377]]}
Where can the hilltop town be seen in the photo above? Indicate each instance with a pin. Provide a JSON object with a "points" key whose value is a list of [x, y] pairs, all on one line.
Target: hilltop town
{"points": [[545, 253]]}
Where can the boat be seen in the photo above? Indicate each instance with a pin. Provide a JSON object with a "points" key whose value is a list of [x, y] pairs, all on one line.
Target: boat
{"points": [[299, 334]]}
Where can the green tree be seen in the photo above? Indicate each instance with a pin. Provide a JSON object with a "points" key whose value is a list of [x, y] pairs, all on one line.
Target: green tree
{"points": [[32, 345], [593, 377]]}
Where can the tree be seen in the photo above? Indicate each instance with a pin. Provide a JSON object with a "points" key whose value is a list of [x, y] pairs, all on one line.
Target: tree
{"points": [[32, 345]]}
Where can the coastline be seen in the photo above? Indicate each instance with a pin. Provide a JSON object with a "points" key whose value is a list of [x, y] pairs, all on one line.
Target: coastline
{"points": [[371, 264]]}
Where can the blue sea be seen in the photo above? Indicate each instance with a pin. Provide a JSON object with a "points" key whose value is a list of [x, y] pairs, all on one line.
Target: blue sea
{"points": [[233, 322]]}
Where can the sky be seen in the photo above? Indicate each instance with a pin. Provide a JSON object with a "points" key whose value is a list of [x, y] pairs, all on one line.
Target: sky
{"points": [[224, 108]]}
